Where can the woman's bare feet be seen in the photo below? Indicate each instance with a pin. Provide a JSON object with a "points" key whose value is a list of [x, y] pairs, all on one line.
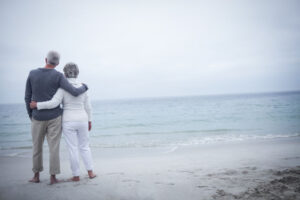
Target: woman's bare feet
{"points": [[91, 174], [53, 180], [36, 178], [75, 178]]}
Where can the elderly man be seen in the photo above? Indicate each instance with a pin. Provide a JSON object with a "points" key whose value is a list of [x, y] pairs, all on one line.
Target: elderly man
{"points": [[41, 85]]}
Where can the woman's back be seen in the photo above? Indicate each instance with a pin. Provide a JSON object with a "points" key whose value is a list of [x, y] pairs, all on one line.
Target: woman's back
{"points": [[75, 107]]}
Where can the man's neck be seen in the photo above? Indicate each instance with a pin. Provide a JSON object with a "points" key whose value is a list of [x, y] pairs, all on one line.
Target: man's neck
{"points": [[49, 66]]}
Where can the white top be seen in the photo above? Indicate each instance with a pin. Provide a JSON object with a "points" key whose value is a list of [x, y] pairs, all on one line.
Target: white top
{"points": [[76, 109]]}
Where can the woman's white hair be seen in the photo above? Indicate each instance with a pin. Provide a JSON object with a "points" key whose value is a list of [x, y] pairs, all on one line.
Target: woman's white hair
{"points": [[71, 70]]}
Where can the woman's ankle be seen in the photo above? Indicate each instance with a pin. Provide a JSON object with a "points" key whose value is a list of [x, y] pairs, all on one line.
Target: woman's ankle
{"points": [[91, 174], [75, 178]]}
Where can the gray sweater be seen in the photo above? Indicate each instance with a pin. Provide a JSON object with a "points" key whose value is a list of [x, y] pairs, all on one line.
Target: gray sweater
{"points": [[41, 85]]}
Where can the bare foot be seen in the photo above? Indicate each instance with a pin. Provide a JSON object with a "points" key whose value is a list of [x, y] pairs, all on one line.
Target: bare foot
{"points": [[91, 174], [75, 178], [35, 179], [53, 180]]}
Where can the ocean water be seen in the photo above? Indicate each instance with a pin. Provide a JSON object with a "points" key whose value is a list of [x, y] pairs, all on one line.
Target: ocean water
{"points": [[172, 122]]}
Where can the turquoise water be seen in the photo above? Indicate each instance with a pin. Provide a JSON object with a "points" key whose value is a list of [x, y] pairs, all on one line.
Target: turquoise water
{"points": [[172, 122]]}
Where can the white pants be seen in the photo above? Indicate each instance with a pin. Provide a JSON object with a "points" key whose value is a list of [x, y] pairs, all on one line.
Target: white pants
{"points": [[77, 138]]}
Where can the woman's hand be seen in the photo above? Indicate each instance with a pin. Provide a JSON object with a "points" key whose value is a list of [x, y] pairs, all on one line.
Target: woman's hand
{"points": [[90, 126], [33, 104]]}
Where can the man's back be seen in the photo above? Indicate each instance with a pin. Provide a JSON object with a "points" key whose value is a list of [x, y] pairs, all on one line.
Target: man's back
{"points": [[42, 84]]}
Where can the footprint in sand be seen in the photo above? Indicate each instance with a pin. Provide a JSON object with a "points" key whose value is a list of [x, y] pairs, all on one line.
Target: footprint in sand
{"points": [[186, 171], [290, 158], [230, 172], [161, 183], [210, 175], [251, 168], [131, 180], [202, 186], [115, 173]]}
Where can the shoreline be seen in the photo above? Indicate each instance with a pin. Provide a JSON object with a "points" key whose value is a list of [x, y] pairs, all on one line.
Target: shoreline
{"points": [[157, 149]]}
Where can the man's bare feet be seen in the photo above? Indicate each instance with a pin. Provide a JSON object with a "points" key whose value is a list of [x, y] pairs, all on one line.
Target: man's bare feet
{"points": [[36, 178], [91, 174], [53, 180]]}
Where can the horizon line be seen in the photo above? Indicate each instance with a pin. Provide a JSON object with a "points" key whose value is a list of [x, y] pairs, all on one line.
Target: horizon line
{"points": [[201, 95], [181, 96]]}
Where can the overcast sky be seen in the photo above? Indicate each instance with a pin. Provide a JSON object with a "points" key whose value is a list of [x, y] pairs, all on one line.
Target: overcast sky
{"points": [[128, 49]]}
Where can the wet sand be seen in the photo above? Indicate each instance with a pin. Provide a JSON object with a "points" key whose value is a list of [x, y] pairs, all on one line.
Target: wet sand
{"points": [[264, 169]]}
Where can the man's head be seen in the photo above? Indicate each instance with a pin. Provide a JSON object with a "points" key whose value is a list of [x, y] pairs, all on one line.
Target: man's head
{"points": [[71, 70], [52, 58]]}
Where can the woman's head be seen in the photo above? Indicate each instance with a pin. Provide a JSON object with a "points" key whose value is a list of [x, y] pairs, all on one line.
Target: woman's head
{"points": [[71, 70]]}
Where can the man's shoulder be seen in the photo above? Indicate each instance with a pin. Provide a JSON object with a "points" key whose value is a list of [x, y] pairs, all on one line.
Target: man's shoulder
{"points": [[43, 70], [34, 71], [54, 71]]}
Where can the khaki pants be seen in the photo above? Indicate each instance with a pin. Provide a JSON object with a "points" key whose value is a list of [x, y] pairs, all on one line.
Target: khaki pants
{"points": [[52, 130]]}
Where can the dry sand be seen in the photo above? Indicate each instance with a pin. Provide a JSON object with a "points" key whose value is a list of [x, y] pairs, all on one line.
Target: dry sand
{"points": [[265, 169]]}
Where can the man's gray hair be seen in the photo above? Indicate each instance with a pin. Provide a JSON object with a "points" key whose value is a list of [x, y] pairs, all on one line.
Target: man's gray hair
{"points": [[53, 58], [71, 70]]}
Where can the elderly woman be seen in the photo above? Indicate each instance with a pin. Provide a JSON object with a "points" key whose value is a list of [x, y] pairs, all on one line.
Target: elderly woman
{"points": [[76, 121]]}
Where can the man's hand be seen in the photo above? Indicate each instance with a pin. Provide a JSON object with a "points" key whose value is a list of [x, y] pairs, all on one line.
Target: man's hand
{"points": [[85, 85], [90, 126], [33, 104]]}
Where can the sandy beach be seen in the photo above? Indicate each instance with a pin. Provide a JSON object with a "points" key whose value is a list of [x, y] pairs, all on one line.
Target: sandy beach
{"points": [[255, 169]]}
